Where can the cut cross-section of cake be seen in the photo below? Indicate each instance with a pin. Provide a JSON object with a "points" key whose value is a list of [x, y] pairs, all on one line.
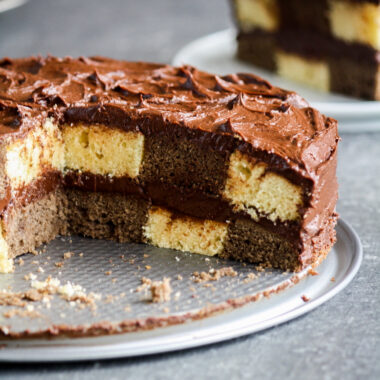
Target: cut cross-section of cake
{"points": [[169, 156], [333, 45]]}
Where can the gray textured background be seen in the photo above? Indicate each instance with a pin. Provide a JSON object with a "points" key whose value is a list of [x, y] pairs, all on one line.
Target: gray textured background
{"points": [[340, 339]]}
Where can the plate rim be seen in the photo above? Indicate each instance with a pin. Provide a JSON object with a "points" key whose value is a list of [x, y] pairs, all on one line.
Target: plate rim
{"points": [[7, 5], [63, 352], [348, 110]]}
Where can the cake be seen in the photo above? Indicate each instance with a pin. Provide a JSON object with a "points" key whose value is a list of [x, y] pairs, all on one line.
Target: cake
{"points": [[169, 156], [332, 45]]}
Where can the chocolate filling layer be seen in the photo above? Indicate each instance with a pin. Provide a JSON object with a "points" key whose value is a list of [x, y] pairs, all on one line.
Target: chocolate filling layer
{"points": [[310, 44], [32, 192], [193, 203]]}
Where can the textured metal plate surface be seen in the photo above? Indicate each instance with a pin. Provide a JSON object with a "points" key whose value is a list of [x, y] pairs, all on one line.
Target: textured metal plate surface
{"points": [[342, 264], [114, 271]]}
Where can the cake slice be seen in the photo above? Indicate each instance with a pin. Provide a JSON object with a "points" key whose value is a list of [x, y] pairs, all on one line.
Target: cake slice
{"points": [[170, 156], [332, 45]]}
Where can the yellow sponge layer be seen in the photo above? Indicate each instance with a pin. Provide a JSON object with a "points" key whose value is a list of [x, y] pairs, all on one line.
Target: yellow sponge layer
{"points": [[257, 14], [6, 263], [310, 72], [28, 157], [184, 233], [355, 22], [250, 188], [102, 150]]}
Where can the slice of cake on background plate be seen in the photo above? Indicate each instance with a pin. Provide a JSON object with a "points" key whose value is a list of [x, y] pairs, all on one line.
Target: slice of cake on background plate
{"points": [[332, 45], [169, 156]]}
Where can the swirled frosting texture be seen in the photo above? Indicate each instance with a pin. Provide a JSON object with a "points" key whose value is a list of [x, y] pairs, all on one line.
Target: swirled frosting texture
{"points": [[242, 108]]}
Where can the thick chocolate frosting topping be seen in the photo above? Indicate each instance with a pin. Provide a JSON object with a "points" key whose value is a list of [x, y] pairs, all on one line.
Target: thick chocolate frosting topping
{"points": [[240, 110]]}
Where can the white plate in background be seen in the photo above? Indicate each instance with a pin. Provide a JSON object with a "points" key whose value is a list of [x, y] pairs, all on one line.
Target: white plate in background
{"points": [[216, 53], [6, 5]]}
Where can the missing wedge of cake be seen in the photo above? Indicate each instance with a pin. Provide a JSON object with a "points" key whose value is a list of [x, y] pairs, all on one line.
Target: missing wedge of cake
{"points": [[332, 45], [169, 156]]}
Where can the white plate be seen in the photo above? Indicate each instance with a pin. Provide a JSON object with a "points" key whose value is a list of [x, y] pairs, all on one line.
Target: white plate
{"points": [[342, 263], [6, 5], [216, 53]]}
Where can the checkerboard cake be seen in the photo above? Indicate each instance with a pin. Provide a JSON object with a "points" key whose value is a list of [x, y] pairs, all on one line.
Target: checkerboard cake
{"points": [[169, 156]]}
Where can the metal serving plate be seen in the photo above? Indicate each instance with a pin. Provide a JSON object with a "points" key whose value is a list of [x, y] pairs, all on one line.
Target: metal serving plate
{"points": [[115, 270]]}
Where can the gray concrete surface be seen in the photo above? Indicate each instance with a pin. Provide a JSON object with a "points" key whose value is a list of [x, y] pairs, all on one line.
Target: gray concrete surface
{"points": [[339, 340]]}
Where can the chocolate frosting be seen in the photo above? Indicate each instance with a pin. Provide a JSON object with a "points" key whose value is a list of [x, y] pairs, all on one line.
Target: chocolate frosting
{"points": [[234, 111]]}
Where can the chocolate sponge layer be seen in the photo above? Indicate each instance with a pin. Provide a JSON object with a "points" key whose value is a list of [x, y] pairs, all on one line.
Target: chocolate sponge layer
{"points": [[105, 215], [176, 160], [27, 227], [250, 242]]}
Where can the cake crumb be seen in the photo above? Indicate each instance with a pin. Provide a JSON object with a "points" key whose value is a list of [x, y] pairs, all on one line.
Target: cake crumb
{"points": [[81, 254], [161, 290], [34, 252], [108, 272], [21, 262], [250, 277], [305, 298], [22, 313], [332, 279], [214, 274], [11, 299], [59, 264], [179, 277], [145, 283], [127, 308], [33, 295], [146, 255], [109, 299], [313, 272], [68, 255], [70, 292], [177, 295], [148, 267], [30, 276], [40, 270]]}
